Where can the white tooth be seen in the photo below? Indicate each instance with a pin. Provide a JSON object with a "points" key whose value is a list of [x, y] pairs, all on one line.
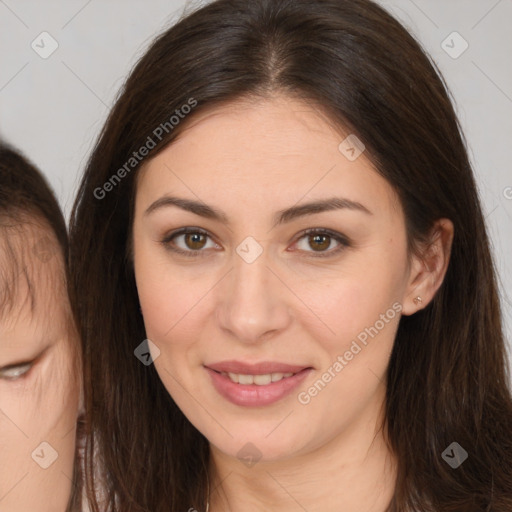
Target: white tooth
{"points": [[245, 379], [263, 380], [259, 380]]}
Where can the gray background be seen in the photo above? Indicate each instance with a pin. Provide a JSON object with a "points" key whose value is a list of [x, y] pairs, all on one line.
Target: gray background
{"points": [[53, 108]]}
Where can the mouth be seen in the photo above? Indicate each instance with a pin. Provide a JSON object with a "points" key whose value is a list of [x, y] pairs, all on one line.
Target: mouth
{"points": [[256, 385]]}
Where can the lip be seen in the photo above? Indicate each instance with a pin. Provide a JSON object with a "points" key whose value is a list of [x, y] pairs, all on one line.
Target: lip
{"points": [[252, 395], [255, 369]]}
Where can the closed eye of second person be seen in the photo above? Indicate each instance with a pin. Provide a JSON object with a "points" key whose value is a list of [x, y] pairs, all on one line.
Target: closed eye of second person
{"points": [[20, 370], [15, 371]]}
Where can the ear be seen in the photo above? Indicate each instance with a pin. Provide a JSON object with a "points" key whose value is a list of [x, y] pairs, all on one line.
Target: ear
{"points": [[427, 270]]}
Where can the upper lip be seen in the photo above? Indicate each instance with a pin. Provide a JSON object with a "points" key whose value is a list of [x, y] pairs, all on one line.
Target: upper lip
{"points": [[261, 368]]}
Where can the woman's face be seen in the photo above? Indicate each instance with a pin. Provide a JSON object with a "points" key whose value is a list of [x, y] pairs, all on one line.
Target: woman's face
{"points": [[252, 289], [38, 381]]}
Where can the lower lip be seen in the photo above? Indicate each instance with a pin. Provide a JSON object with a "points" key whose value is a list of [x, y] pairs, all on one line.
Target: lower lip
{"points": [[252, 394]]}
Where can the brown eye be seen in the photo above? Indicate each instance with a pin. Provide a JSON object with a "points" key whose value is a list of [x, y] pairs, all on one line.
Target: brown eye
{"points": [[194, 241], [321, 241], [189, 242]]}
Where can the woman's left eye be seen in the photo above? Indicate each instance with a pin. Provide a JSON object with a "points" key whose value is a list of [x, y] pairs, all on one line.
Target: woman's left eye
{"points": [[14, 372], [321, 239], [194, 240]]}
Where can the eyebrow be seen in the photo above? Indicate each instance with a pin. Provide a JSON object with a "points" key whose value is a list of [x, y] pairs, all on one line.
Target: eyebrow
{"points": [[281, 217]]}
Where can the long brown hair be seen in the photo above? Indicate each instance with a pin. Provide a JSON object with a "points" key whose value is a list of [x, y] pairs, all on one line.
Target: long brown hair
{"points": [[448, 374], [25, 196]]}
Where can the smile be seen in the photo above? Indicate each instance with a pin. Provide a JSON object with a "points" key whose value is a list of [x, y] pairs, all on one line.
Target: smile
{"points": [[255, 390]]}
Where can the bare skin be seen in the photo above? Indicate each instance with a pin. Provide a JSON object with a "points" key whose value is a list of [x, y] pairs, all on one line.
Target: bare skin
{"points": [[39, 383], [291, 305]]}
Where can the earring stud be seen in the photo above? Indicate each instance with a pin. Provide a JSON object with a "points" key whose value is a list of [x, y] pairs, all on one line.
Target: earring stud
{"points": [[417, 300]]}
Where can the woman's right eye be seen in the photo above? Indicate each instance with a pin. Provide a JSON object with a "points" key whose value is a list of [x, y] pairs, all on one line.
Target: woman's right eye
{"points": [[193, 241], [14, 371]]}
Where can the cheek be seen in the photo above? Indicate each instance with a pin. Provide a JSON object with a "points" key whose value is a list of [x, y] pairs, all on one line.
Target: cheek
{"points": [[168, 304], [171, 298], [363, 310], [41, 409], [63, 387], [348, 302], [46, 403]]}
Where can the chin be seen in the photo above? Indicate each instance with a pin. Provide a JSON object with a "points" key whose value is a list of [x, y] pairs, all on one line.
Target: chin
{"points": [[251, 446]]}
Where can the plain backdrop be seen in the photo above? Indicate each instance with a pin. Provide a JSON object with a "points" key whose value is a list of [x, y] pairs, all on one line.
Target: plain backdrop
{"points": [[53, 108]]}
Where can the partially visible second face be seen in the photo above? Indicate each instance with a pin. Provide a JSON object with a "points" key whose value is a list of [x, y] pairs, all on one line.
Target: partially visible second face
{"points": [[38, 373], [235, 301]]}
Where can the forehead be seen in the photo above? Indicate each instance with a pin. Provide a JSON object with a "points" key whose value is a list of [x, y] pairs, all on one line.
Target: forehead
{"points": [[31, 275], [254, 129], [278, 149]]}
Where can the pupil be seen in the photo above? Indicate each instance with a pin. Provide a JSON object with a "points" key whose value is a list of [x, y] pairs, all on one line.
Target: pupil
{"points": [[195, 239], [319, 238]]}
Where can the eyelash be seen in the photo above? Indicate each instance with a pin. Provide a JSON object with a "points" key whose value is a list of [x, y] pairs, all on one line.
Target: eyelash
{"points": [[343, 241]]}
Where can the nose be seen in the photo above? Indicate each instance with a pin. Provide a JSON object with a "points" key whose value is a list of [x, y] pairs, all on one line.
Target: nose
{"points": [[254, 302]]}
